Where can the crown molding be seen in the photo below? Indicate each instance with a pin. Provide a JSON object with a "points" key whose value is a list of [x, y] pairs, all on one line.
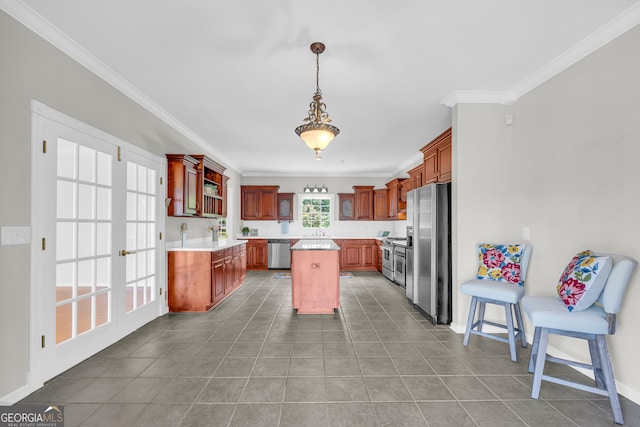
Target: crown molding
{"points": [[478, 97], [594, 41], [45, 29]]}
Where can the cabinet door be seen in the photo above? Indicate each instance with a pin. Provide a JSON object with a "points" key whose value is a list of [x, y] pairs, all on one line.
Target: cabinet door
{"points": [[259, 202], [191, 191], [269, 205], [237, 269], [249, 209], [430, 173], [379, 256], [243, 264], [346, 206], [257, 254], [261, 255], [380, 205], [224, 195], [218, 280], [368, 255], [392, 199], [351, 255], [228, 273], [364, 203], [285, 206], [182, 185], [444, 160]]}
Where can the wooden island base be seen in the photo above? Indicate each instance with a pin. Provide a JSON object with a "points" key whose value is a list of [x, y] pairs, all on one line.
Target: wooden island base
{"points": [[315, 276]]}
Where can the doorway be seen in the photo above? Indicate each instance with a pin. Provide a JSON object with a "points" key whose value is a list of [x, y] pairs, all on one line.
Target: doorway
{"points": [[97, 270]]}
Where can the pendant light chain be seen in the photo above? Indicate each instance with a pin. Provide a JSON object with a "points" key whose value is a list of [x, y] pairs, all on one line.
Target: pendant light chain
{"points": [[317, 72]]}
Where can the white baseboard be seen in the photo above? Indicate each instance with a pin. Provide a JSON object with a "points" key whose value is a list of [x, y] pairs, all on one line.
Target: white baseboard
{"points": [[15, 396], [623, 389]]}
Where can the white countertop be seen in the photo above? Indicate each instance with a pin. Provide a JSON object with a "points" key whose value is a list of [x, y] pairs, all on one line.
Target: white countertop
{"points": [[298, 237], [207, 246]]}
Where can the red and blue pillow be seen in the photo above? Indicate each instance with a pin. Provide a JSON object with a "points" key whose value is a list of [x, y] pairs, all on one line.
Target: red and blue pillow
{"points": [[583, 280], [501, 263]]}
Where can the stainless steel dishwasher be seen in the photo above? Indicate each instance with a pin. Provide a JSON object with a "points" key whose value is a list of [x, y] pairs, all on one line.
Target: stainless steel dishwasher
{"points": [[279, 251]]}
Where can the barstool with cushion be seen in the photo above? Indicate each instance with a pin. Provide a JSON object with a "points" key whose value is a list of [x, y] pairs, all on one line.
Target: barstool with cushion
{"points": [[500, 280], [590, 292]]}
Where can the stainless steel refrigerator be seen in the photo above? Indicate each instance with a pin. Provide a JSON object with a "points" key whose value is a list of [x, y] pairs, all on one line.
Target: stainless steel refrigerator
{"points": [[429, 247]]}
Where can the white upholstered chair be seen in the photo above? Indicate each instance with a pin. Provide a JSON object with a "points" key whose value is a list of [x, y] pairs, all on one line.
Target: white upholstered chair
{"points": [[550, 315], [498, 292]]}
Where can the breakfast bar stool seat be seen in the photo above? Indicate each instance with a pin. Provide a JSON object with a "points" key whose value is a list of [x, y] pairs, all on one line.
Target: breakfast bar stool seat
{"points": [[499, 293], [550, 315]]}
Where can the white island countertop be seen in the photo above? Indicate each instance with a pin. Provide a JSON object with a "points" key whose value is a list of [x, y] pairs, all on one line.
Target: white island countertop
{"points": [[299, 237], [316, 245], [206, 246]]}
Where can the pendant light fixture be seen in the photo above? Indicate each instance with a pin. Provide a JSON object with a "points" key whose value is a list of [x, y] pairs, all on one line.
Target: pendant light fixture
{"points": [[317, 133]]}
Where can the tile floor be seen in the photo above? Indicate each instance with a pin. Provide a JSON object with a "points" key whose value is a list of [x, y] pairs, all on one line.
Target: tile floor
{"points": [[253, 362]]}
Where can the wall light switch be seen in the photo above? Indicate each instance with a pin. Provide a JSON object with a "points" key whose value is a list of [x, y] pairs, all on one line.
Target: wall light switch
{"points": [[526, 233], [16, 236]]}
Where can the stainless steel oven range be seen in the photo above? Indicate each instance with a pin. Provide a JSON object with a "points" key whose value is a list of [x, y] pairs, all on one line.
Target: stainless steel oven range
{"points": [[399, 263], [387, 259], [389, 247]]}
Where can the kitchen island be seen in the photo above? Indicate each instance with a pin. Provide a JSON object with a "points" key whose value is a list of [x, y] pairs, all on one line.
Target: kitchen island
{"points": [[315, 276]]}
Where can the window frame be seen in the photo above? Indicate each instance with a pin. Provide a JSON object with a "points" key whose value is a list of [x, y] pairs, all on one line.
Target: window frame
{"points": [[329, 215]]}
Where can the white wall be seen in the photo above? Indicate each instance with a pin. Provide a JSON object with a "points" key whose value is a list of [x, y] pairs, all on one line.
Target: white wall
{"points": [[33, 69], [567, 168]]}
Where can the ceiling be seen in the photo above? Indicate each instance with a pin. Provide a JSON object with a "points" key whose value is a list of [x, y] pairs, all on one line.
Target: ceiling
{"points": [[238, 76]]}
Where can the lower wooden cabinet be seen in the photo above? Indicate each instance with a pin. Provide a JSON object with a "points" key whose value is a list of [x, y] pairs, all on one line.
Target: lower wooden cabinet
{"points": [[358, 254], [198, 280], [257, 254]]}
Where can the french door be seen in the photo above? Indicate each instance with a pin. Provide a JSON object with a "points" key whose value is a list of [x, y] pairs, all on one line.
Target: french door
{"points": [[97, 264]]}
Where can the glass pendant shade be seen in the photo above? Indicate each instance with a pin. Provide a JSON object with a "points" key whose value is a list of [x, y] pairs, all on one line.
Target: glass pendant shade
{"points": [[317, 137]]}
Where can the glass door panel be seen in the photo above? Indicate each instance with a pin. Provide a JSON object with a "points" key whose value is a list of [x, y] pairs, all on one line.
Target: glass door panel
{"points": [[83, 239]]}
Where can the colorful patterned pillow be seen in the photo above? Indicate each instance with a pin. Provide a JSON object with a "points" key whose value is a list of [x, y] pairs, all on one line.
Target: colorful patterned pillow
{"points": [[583, 280], [500, 262]]}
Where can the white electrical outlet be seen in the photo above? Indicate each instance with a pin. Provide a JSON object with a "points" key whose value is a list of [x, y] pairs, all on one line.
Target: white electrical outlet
{"points": [[16, 236], [508, 119], [526, 233]]}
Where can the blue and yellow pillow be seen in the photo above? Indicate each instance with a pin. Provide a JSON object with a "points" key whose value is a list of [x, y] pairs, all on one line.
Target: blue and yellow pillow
{"points": [[583, 280], [501, 262]]}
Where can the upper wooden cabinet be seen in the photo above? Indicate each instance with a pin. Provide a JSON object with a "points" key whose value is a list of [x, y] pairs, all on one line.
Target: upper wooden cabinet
{"points": [[393, 197], [182, 185], [196, 186], [259, 202], [437, 159], [380, 204], [364, 202], [285, 206], [415, 177], [212, 187], [346, 206]]}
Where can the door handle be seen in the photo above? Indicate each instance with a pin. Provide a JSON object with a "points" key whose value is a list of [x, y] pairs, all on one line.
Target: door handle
{"points": [[125, 252]]}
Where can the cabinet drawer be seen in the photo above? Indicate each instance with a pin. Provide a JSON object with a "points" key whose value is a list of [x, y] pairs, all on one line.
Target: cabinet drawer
{"points": [[218, 255]]}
